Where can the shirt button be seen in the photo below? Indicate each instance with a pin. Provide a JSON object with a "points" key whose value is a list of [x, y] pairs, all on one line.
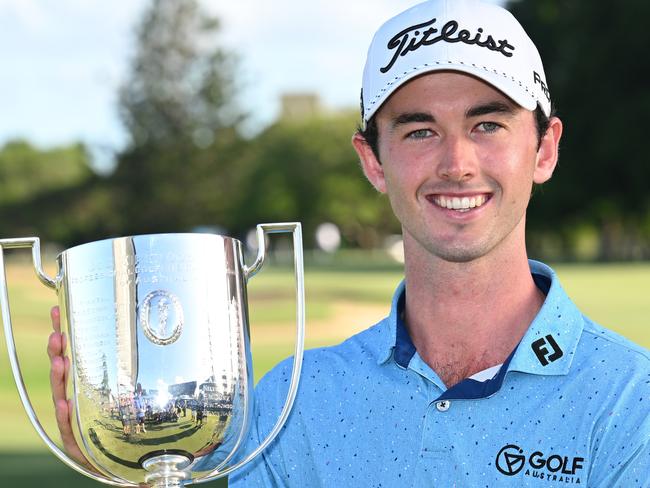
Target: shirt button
{"points": [[443, 405]]}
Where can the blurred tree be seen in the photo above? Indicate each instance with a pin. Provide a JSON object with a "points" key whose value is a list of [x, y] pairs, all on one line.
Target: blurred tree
{"points": [[597, 66], [187, 165], [26, 171], [64, 216], [306, 170], [177, 106], [42, 192], [181, 84]]}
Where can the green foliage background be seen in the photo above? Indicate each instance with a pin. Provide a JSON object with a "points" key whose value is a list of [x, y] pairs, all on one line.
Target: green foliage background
{"points": [[187, 163], [597, 66]]}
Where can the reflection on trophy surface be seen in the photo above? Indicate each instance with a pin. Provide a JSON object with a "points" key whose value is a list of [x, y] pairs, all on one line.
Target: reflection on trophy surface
{"points": [[159, 341]]}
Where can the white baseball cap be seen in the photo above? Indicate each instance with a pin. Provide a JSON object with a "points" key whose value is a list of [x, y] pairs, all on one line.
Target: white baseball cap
{"points": [[478, 38]]}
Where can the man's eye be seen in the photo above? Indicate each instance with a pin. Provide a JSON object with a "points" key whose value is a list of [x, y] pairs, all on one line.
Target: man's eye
{"points": [[419, 134], [488, 127]]}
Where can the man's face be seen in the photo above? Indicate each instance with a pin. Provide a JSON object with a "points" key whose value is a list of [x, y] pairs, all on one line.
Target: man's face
{"points": [[458, 161]]}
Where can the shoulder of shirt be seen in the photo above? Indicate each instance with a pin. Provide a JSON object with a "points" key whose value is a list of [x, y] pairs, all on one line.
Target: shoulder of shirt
{"points": [[620, 360], [617, 345], [622, 368], [357, 350]]}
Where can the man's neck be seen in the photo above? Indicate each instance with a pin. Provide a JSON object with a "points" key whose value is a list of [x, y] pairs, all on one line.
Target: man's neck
{"points": [[466, 317]]}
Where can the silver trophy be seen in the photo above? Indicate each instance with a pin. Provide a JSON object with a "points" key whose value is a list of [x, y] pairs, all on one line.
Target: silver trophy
{"points": [[162, 383]]}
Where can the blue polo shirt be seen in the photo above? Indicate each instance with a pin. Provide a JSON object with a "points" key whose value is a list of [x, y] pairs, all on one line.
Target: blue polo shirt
{"points": [[570, 406]]}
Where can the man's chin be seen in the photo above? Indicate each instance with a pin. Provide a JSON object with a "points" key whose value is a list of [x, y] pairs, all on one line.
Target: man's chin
{"points": [[458, 253], [452, 249], [460, 256]]}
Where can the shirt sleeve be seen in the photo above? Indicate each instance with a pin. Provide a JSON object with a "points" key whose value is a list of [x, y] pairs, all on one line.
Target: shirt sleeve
{"points": [[621, 456], [630, 471]]}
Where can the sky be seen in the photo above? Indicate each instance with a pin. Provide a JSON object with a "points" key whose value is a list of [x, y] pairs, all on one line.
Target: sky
{"points": [[62, 61]]}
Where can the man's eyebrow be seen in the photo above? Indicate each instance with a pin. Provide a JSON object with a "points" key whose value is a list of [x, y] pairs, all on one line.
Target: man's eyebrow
{"points": [[490, 108], [409, 117]]}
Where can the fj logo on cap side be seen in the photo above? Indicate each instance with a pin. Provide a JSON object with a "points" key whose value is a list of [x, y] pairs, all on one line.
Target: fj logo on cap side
{"points": [[540, 348]]}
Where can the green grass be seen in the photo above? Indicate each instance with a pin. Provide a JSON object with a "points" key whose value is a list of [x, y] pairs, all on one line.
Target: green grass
{"points": [[271, 295], [613, 295]]}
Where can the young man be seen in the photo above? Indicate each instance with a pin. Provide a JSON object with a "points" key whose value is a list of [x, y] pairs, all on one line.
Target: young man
{"points": [[484, 373]]}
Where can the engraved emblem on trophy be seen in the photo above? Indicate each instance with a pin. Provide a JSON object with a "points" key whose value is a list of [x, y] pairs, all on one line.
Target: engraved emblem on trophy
{"points": [[161, 376], [159, 334]]}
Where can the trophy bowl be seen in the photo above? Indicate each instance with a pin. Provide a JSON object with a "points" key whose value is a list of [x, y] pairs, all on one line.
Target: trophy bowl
{"points": [[162, 385]]}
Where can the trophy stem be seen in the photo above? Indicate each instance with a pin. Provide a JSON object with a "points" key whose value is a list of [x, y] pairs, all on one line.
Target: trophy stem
{"points": [[166, 470]]}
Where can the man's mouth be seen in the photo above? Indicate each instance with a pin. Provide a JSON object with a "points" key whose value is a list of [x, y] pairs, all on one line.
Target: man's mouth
{"points": [[459, 203]]}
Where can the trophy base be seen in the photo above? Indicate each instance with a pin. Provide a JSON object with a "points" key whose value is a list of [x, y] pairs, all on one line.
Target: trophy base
{"points": [[167, 470]]}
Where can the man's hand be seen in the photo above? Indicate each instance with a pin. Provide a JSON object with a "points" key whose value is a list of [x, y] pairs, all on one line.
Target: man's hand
{"points": [[59, 369]]}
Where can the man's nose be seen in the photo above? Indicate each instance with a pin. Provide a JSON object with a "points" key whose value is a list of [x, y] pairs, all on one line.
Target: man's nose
{"points": [[458, 163]]}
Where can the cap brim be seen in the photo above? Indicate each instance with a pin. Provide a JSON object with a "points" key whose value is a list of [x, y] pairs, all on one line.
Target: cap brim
{"points": [[512, 89]]}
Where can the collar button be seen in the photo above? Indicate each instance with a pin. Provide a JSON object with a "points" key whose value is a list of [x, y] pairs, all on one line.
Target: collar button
{"points": [[443, 405]]}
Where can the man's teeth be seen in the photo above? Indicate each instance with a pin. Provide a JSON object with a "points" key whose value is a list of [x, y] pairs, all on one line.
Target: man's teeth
{"points": [[462, 204]]}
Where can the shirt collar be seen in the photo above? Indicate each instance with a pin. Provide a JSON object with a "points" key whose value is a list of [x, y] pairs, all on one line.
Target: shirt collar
{"points": [[549, 345], [547, 348], [389, 326]]}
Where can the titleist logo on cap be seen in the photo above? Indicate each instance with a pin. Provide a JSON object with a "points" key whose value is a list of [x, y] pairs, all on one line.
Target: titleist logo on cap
{"points": [[416, 36]]}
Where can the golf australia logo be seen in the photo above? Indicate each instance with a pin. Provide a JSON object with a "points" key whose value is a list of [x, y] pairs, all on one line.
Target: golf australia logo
{"points": [[512, 460], [161, 317], [541, 350]]}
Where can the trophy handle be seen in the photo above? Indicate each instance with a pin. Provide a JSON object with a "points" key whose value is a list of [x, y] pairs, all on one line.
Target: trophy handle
{"points": [[249, 271], [34, 243]]}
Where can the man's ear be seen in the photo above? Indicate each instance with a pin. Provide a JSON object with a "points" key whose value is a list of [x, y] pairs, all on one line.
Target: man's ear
{"points": [[548, 152], [372, 168]]}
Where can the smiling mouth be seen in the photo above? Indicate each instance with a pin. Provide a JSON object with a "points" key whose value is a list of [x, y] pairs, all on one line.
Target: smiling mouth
{"points": [[460, 204]]}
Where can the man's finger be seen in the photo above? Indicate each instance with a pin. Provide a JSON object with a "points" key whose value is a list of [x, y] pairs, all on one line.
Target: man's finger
{"points": [[57, 342], [55, 315], [63, 419], [63, 408], [57, 380], [55, 345]]}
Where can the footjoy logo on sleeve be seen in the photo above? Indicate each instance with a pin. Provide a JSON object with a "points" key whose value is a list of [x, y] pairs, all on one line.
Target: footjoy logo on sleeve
{"points": [[512, 460]]}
